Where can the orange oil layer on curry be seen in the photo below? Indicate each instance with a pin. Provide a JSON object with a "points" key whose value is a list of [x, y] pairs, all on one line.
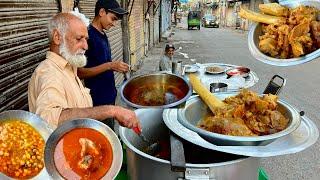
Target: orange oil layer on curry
{"points": [[71, 160]]}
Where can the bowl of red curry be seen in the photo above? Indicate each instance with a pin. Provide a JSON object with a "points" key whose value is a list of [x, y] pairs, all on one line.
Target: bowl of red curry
{"points": [[83, 149]]}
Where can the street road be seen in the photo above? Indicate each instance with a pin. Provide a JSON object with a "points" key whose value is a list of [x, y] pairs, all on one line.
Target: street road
{"points": [[302, 88]]}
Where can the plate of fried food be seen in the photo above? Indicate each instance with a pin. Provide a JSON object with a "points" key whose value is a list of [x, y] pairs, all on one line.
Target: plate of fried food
{"points": [[285, 34], [214, 69], [237, 118]]}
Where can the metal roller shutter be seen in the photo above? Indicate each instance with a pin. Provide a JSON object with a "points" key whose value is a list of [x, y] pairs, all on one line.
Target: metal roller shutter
{"points": [[114, 35], [23, 44], [136, 31]]}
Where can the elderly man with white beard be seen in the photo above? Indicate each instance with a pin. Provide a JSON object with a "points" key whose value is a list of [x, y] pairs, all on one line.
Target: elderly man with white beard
{"points": [[55, 92]]}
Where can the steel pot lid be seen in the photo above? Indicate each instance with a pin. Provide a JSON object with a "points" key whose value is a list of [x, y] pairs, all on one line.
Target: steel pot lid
{"points": [[38, 124], [83, 123], [255, 31], [300, 139], [159, 90]]}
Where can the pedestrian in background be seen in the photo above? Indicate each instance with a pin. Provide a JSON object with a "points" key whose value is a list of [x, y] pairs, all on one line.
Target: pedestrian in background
{"points": [[165, 63]]}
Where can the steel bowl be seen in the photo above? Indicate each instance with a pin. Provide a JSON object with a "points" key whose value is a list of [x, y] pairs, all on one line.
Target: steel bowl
{"points": [[83, 123], [256, 30], [160, 90], [238, 71], [195, 110], [36, 122]]}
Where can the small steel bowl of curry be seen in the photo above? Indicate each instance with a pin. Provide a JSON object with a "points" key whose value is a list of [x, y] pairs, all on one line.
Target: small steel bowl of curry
{"points": [[83, 149], [22, 143], [159, 90]]}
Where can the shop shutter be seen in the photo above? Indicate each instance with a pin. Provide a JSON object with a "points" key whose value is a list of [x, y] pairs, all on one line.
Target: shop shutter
{"points": [[23, 44], [114, 35], [156, 17], [136, 31]]}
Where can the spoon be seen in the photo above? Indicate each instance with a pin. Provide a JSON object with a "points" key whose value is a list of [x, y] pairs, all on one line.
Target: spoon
{"points": [[139, 132]]}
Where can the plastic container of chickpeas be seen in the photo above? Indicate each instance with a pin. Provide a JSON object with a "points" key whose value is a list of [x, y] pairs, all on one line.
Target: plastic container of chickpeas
{"points": [[22, 141]]}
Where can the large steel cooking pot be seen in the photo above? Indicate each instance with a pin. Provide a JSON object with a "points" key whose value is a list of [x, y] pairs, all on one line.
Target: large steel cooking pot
{"points": [[201, 163], [256, 30], [161, 90]]}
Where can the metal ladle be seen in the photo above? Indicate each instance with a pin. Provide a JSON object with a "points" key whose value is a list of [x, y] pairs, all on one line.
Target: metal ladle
{"points": [[152, 148]]}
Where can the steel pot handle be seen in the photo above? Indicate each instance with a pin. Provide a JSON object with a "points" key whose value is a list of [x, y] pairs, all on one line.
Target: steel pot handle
{"points": [[273, 87], [178, 161], [197, 174]]}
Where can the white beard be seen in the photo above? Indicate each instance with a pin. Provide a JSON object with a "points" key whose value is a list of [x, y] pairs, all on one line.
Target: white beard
{"points": [[78, 59]]}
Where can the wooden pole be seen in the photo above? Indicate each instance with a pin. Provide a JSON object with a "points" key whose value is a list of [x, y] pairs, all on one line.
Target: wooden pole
{"points": [[125, 34]]}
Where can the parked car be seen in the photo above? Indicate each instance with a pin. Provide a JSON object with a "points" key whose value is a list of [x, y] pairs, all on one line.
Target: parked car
{"points": [[210, 20], [194, 19]]}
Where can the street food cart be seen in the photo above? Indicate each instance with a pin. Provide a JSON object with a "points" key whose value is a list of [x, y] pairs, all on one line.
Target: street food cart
{"points": [[184, 151]]}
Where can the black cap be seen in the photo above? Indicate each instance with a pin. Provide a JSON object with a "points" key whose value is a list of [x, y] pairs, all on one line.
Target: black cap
{"points": [[169, 46], [110, 5]]}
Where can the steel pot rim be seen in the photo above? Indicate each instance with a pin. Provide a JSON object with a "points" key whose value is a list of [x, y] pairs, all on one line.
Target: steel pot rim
{"points": [[136, 150], [145, 155]]}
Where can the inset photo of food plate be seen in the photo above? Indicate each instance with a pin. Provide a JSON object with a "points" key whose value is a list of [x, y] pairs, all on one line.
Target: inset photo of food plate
{"points": [[214, 69], [191, 68], [260, 45]]}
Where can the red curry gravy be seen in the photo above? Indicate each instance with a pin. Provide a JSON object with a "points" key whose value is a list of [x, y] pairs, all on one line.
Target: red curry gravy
{"points": [[83, 153]]}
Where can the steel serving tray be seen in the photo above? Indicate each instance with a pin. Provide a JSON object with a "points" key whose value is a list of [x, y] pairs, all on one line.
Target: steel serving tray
{"points": [[36, 122], [83, 123], [255, 31], [206, 78], [300, 139]]}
